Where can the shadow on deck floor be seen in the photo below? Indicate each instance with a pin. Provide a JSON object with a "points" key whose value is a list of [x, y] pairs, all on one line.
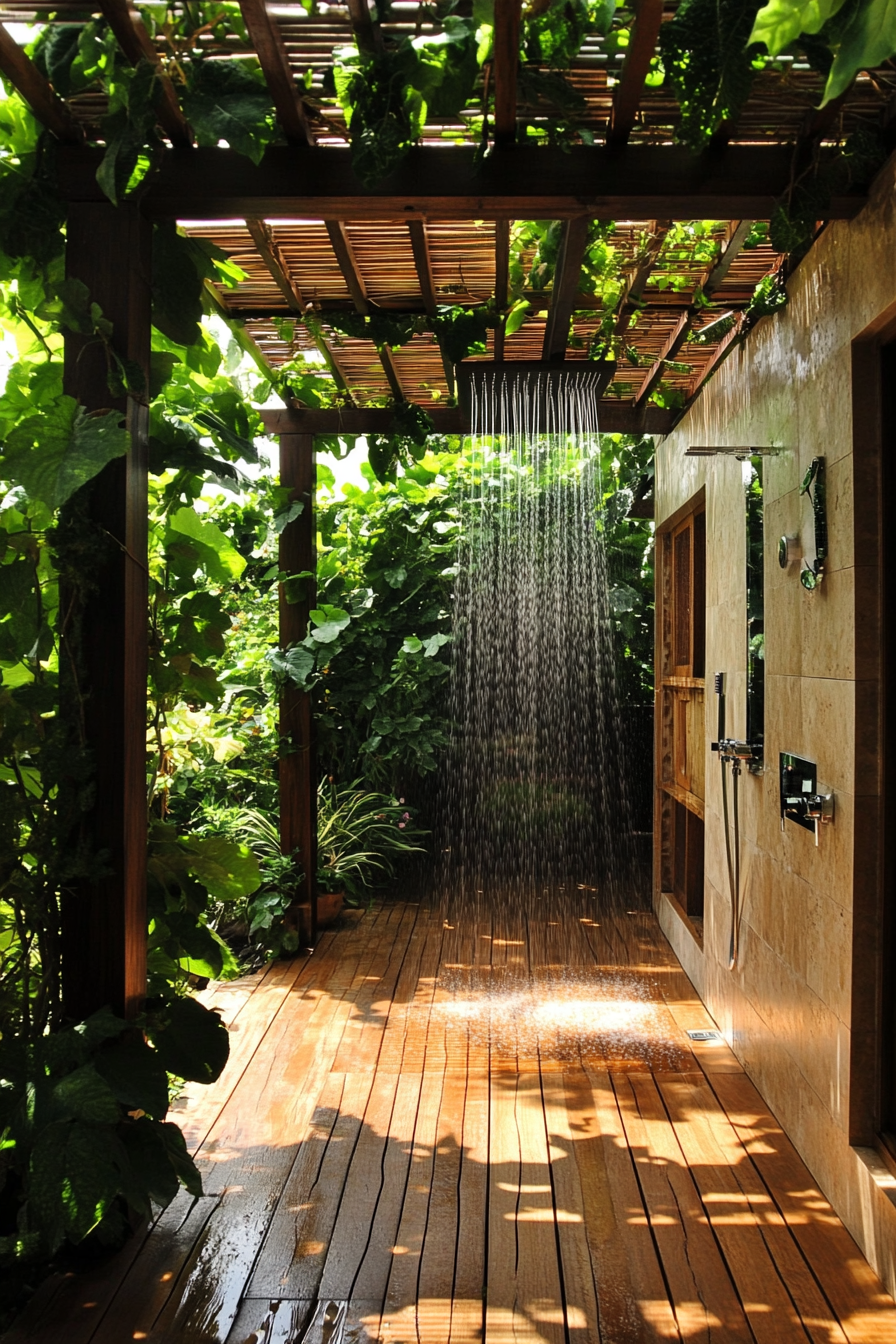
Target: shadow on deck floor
{"points": [[435, 1136]]}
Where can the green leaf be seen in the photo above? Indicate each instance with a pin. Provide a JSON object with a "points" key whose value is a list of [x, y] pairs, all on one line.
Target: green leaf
{"points": [[176, 286], [151, 1175], [330, 622], [85, 1095], [226, 868], [395, 577], [516, 316], [200, 543], [299, 664], [868, 39], [136, 1077], [183, 1164], [192, 1041], [780, 22], [54, 453], [72, 1178], [226, 100]]}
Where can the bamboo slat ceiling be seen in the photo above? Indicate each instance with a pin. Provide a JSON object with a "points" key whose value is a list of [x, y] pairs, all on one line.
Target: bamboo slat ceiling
{"points": [[295, 265]]}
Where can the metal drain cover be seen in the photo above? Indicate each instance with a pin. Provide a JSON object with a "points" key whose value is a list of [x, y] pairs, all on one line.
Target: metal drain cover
{"points": [[707, 1037]]}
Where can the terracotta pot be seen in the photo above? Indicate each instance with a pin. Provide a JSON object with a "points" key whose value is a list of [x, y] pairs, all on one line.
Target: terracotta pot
{"points": [[329, 907]]}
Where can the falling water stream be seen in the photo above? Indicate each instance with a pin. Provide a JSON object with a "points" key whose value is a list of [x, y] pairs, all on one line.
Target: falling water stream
{"points": [[537, 845]]}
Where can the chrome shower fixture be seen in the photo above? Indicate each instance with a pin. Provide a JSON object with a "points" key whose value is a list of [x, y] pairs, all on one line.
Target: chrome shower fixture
{"points": [[741, 454], [528, 396]]}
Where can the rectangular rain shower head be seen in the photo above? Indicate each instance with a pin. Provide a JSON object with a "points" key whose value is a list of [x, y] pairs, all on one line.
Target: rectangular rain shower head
{"points": [[522, 397]]}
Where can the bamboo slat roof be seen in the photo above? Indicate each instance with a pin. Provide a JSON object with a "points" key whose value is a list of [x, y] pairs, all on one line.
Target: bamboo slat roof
{"points": [[373, 262]]}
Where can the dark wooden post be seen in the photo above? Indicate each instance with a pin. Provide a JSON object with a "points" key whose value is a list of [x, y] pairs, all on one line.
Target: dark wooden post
{"points": [[104, 919], [298, 763]]}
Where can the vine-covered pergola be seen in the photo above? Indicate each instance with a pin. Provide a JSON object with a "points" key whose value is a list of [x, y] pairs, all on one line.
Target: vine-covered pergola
{"points": [[312, 240]]}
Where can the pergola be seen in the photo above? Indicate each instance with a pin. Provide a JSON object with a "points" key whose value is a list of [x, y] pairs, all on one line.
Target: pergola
{"points": [[437, 232]]}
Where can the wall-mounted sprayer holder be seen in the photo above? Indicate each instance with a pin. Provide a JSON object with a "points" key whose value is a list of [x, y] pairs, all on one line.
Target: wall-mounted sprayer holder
{"points": [[804, 800], [814, 555]]}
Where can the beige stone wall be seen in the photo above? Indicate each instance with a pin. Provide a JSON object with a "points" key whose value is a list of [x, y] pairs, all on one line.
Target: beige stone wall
{"points": [[787, 1010]]}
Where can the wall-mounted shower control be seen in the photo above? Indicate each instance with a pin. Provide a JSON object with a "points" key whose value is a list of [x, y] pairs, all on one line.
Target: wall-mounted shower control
{"points": [[816, 550], [804, 800], [789, 551]]}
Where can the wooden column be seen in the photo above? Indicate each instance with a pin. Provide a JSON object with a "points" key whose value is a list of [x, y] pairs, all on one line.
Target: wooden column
{"points": [[104, 918], [298, 758]]}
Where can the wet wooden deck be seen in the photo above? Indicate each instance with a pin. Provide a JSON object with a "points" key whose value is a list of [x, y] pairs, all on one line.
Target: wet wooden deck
{"points": [[435, 1136]]}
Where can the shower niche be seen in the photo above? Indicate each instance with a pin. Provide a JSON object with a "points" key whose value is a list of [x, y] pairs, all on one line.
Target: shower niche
{"points": [[681, 688]]}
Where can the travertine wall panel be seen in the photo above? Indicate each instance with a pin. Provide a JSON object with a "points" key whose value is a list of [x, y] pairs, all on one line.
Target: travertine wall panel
{"points": [[788, 1008]]}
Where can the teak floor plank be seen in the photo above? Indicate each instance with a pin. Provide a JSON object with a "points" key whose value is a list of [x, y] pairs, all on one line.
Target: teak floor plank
{"points": [[413, 1095], [439, 1250], [467, 1305], [627, 1270], [865, 1311], [403, 1292], [361, 1193], [147, 1287], [706, 1304], [580, 1300], [504, 1318], [395, 1030], [291, 1260], [278, 1321], [363, 1038], [539, 1290], [739, 1204], [767, 1304]]}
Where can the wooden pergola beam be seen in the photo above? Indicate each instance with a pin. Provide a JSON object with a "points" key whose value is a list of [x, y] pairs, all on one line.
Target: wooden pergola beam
{"points": [[37, 91], [505, 64], [502, 279], [351, 274], [615, 417], [136, 43], [736, 237], [643, 182], [718, 357], [635, 68], [368, 34], [297, 767], [423, 266], [274, 61], [566, 287]]}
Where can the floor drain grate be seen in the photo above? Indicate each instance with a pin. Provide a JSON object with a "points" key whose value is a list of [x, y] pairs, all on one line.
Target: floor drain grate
{"points": [[707, 1037]]}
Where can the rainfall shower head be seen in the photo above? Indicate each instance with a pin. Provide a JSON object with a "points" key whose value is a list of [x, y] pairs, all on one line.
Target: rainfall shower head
{"points": [[518, 398]]}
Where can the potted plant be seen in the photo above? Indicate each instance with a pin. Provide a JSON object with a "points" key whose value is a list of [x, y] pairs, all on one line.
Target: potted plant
{"points": [[360, 833]]}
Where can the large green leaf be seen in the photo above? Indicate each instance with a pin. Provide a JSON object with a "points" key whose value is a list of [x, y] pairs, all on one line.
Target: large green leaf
{"points": [[176, 286], [225, 868], [85, 1095], [192, 1041], [135, 1076], [226, 100], [867, 40], [191, 540], [72, 1178], [780, 22], [149, 1174], [329, 623], [54, 453]]}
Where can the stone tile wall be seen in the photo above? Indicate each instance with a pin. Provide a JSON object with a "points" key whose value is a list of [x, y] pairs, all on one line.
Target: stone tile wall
{"points": [[788, 1009]]}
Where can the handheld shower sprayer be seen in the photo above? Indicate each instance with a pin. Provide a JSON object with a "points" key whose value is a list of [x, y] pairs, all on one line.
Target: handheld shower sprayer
{"points": [[731, 752]]}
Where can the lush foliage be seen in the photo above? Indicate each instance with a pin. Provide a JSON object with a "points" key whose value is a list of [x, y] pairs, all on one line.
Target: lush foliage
{"points": [[840, 37]]}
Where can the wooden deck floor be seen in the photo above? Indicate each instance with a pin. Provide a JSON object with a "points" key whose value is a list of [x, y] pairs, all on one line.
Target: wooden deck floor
{"points": [[437, 1136]]}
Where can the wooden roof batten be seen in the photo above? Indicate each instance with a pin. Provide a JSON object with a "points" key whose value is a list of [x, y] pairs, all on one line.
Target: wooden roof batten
{"points": [[423, 266], [274, 61], [635, 68], [137, 45], [270, 253], [736, 239], [566, 286], [37, 91], [348, 265]]}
